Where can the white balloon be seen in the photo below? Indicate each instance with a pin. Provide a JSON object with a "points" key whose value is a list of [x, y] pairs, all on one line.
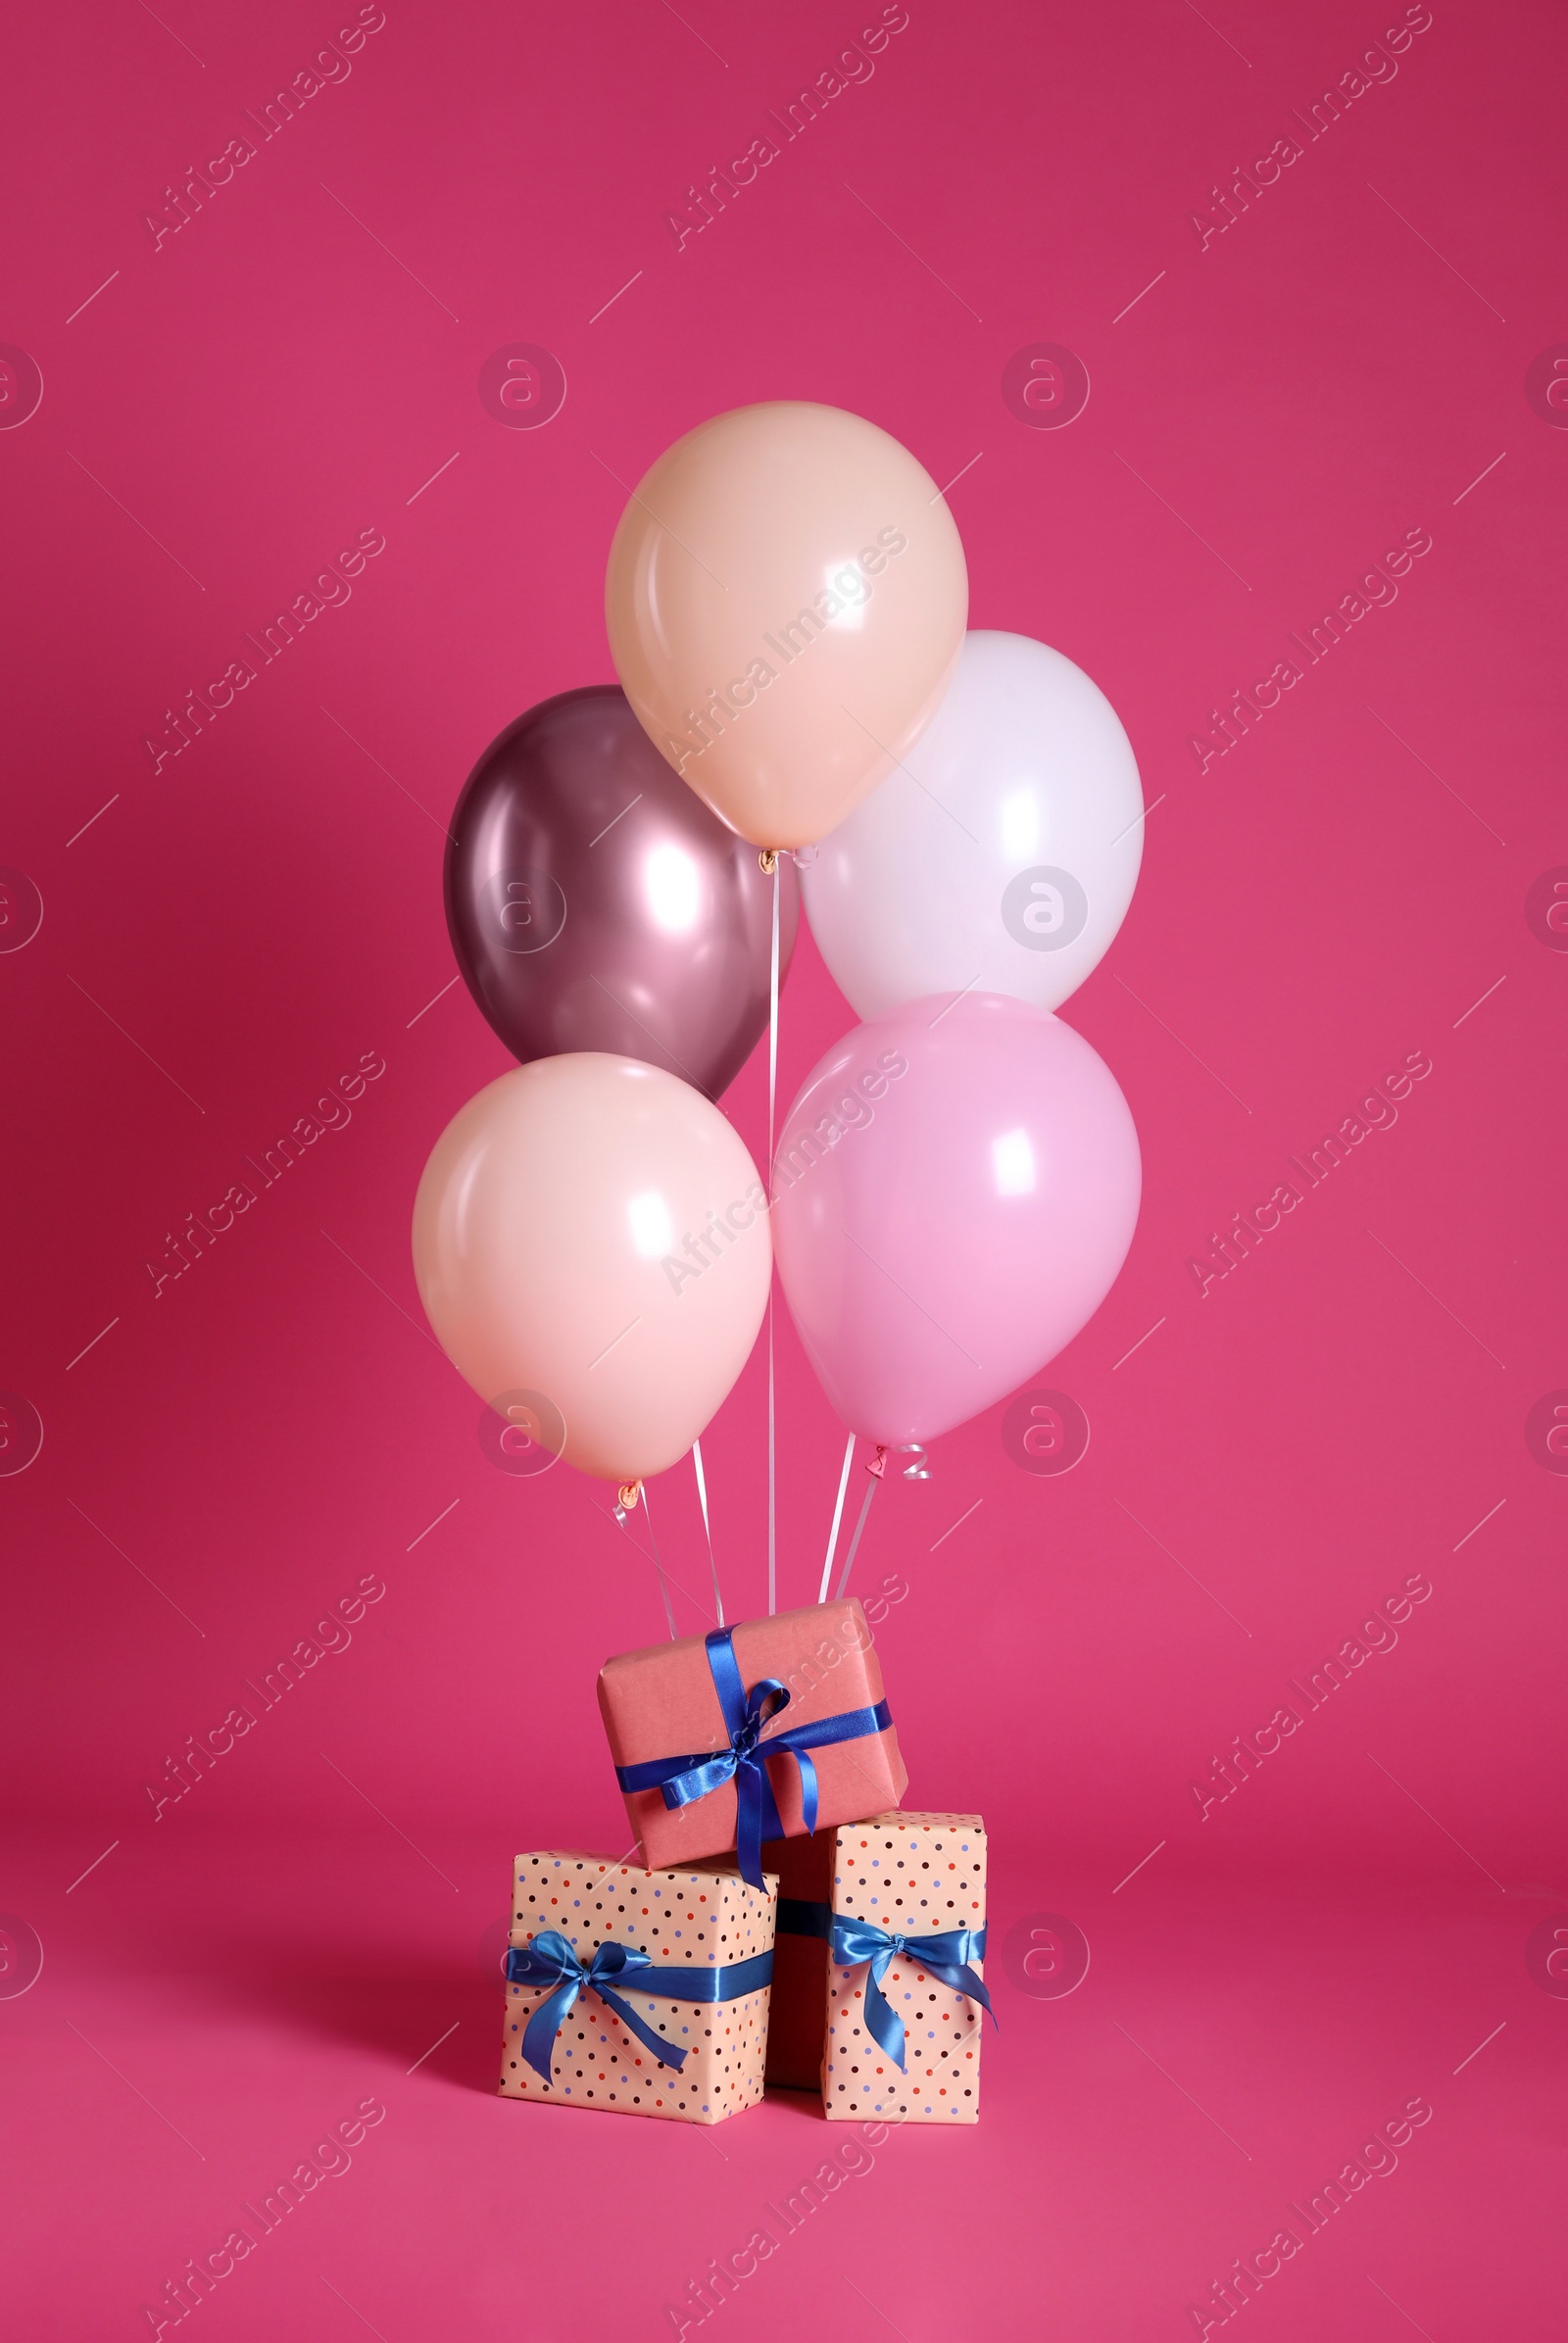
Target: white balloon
{"points": [[1001, 856]]}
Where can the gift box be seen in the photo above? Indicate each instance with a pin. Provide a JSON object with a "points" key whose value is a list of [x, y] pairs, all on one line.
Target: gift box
{"points": [[879, 1989], [797, 2021], [771, 1728], [636, 1993]]}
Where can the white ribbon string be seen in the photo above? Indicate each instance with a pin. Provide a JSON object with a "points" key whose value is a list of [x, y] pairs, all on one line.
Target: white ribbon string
{"points": [[670, 1608], [849, 1559], [772, 1027], [773, 1096], [838, 1515], [708, 1527]]}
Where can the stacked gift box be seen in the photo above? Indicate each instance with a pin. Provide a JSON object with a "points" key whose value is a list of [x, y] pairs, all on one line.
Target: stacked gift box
{"points": [[787, 1924]]}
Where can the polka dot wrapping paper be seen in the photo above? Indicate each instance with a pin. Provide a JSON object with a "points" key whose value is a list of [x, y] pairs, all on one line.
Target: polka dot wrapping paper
{"points": [[914, 1875], [702, 1916]]}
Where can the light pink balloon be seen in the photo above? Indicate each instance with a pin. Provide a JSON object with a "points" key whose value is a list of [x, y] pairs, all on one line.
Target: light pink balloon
{"points": [[591, 1241], [954, 1191], [786, 601]]}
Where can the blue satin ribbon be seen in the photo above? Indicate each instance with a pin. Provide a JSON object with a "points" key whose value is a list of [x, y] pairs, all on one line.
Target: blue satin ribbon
{"points": [[684, 1780], [946, 1955], [551, 1961], [804, 1920]]}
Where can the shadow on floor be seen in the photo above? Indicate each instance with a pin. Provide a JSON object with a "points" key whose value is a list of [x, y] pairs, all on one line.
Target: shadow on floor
{"points": [[442, 2022]]}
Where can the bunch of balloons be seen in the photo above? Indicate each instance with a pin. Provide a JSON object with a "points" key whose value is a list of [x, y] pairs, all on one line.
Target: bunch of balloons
{"points": [[956, 1187]]}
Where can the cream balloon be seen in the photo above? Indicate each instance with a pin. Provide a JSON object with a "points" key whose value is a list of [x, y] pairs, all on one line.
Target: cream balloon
{"points": [[786, 599], [1002, 857], [591, 1239]]}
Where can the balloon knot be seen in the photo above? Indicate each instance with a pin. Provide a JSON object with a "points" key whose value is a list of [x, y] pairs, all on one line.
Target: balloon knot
{"points": [[879, 1464], [767, 860], [629, 1493]]}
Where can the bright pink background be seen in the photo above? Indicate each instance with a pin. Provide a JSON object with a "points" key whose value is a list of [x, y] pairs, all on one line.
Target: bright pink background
{"points": [[1272, 412]]}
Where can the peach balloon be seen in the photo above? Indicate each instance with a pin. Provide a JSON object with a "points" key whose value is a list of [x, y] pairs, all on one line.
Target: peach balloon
{"points": [[786, 601], [592, 1247]]}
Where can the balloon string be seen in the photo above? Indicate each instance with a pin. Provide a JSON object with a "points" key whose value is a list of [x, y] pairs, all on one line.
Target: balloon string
{"points": [[701, 1499], [772, 1027], [838, 1515], [773, 1096], [670, 1608], [849, 1559]]}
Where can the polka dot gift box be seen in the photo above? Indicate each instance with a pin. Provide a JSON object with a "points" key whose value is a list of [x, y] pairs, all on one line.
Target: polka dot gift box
{"points": [[640, 1993], [879, 1992]]}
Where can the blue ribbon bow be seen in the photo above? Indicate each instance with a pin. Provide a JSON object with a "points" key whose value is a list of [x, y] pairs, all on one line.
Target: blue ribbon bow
{"points": [[946, 1955], [551, 1961], [684, 1780]]}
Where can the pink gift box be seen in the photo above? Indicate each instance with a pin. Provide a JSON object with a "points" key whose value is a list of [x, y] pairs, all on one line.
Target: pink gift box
{"points": [[663, 1704], [704, 1919], [911, 1875]]}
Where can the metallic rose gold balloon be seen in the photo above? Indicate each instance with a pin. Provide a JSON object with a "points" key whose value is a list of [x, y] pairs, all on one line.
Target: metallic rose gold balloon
{"points": [[594, 904], [786, 601]]}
